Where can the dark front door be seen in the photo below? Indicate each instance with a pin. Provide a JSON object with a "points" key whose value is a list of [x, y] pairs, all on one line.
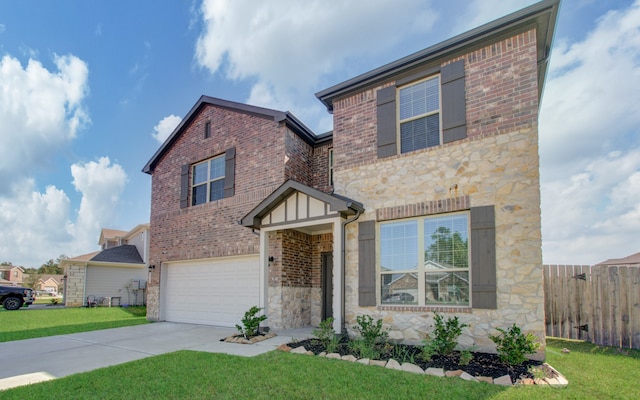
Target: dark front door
{"points": [[327, 285]]}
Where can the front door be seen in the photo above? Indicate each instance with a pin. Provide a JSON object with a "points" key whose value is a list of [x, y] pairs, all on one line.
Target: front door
{"points": [[327, 285]]}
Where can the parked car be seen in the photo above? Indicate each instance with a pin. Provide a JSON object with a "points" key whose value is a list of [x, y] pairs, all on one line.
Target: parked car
{"points": [[398, 298], [15, 297]]}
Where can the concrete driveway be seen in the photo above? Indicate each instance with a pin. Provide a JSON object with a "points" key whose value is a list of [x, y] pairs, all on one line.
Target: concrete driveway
{"points": [[35, 360]]}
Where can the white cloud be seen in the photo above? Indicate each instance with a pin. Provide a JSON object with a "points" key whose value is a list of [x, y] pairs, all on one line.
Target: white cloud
{"points": [[38, 226], [590, 144], [285, 47], [101, 185], [165, 127], [40, 112]]}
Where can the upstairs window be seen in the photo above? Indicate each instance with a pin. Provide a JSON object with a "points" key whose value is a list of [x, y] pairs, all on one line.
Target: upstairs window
{"points": [[420, 115], [208, 180]]}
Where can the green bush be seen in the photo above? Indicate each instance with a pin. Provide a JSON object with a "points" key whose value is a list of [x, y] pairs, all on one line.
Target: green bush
{"points": [[251, 322], [327, 335], [513, 345], [445, 337], [370, 331]]}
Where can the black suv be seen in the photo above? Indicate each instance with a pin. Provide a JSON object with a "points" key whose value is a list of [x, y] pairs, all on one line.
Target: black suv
{"points": [[14, 297]]}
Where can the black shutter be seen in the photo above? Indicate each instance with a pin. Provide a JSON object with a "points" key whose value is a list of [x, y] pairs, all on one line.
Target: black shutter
{"points": [[454, 112], [184, 186], [229, 172], [483, 257], [386, 102], [367, 263]]}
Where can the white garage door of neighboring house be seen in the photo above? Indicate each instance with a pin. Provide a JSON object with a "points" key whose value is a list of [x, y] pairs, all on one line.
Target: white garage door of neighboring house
{"points": [[111, 281], [211, 292]]}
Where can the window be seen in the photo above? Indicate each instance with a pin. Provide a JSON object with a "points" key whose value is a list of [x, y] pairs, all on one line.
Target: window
{"points": [[425, 261], [207, 129], [207, 182], [420, 115], [331, 167]]}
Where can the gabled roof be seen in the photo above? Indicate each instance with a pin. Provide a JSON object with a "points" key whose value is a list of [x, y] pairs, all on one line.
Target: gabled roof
{"points": [[278, 116], [542, 15], [337, 203], [108, 234], [633, 259], [125, 254], [84, 257]]}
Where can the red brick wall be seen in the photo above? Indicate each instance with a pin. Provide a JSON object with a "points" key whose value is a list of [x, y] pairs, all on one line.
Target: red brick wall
{"points": [[212, 229], [292, 255], [298, 162], [501, 96], [320, 167]]}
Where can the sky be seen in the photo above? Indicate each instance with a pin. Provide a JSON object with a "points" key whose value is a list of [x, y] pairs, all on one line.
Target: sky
{"points": [[90, 89]]}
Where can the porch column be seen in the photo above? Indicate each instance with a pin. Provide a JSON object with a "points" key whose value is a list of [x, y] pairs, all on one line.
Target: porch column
{"points": [[264, 273], [338, 277]]}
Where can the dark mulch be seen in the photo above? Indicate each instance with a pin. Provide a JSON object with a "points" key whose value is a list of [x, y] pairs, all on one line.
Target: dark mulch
{"points": [[482, 364]]}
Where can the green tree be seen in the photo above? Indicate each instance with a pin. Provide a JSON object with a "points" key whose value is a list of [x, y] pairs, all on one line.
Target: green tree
{"points": [[448, 249], [52, 267]]}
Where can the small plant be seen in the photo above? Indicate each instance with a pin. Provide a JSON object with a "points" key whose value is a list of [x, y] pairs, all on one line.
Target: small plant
{"points": [[465, 357], [53, 302], [538, 372], [327, 335], [364, 349], [251, 322], [403, 354], [512, 345], [370, 331], [445, 337]]}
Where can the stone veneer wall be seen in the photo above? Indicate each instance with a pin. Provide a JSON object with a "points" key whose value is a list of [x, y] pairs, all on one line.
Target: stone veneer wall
{"points": [[496, 165], [74, 294]]}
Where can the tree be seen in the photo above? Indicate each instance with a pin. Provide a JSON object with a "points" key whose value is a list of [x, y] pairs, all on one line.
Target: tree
{"points": [[52, 267], [448, 249]]}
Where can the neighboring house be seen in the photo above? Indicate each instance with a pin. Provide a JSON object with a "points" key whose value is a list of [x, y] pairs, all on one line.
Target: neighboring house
{"points": [[433, 157], [629, 261], [11, 275], [50, 283], [118, 272]]}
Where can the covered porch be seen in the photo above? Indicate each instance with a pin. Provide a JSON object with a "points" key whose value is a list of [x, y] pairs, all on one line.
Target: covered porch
{"points": [[302, 255]]}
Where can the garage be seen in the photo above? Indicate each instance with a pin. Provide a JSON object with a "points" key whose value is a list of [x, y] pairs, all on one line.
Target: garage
{"points": [[211, 292]]}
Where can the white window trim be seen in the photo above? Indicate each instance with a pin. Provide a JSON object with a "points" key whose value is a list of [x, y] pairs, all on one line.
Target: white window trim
{"points": [[420, 271]]}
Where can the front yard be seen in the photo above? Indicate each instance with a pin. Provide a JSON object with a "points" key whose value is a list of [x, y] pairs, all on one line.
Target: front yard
{"points": [[28, 324], [592, 371]]}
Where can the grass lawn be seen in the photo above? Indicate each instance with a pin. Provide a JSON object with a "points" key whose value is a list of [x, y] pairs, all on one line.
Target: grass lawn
{"points": [[27, 324], [592, 371]]}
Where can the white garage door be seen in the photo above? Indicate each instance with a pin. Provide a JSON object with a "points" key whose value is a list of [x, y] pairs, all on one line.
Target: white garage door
{"points": [[211, 292]]}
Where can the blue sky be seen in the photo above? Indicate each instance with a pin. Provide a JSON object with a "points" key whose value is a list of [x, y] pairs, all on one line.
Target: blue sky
{"points": [[89, 89]]}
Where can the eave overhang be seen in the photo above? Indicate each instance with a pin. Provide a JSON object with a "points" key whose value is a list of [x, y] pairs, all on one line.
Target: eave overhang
{"points": [[542, 16]]}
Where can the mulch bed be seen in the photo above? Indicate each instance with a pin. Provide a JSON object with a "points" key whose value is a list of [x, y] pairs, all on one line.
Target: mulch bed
{"points": [[482, 364]]}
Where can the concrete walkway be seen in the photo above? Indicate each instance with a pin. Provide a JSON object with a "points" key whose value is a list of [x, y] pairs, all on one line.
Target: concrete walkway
{"points": [[35, 360]]}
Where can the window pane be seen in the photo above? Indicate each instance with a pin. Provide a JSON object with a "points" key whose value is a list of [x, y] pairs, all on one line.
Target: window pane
{"points": [[446, 242], [199, 173], [216, 190], [399, 246], [420, 133], [447, 288], [217, 168], [420, 98], [399, 288], [199, 195]]}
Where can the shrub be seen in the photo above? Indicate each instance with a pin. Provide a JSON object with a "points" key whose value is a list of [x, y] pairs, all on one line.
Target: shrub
{"points": [[327, 335], [251, 322], [364, 349], [445, 336], [513, 345], [371, 332]]}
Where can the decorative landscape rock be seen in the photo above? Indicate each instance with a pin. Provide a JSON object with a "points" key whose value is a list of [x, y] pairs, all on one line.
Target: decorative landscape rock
{"points": [[299, 350], [252, 340], [504, 380], [393, 364], [435, 372], [408, 367], [349, 357]]}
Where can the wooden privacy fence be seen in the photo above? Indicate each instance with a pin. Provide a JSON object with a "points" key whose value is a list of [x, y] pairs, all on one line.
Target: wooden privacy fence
{"points": [[600, 304]]}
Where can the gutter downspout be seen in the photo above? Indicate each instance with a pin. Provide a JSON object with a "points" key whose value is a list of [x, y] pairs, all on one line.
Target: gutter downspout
{"points": [[344, 262]]}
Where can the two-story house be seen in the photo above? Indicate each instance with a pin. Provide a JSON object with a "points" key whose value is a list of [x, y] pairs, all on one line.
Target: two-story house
{"points": [[115, 275], [424, 198]]}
